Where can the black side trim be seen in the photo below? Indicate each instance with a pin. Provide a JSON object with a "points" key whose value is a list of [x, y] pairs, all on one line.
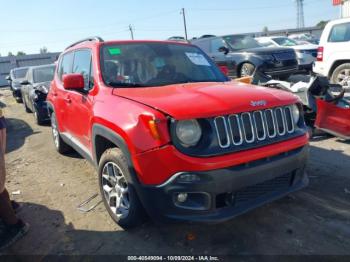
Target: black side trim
{"points": [[99, 130], [112, 136], [84, 152]]}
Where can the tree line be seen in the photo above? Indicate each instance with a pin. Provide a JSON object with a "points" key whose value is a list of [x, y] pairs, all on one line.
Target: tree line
{"points": [[42, 50]]}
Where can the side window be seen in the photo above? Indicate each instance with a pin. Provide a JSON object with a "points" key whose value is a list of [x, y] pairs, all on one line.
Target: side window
{"points": [[216, 44], [82, 65], [204, 45], [340, 33], [65, 66]]}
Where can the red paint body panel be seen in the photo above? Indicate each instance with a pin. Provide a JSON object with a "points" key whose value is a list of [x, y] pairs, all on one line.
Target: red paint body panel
{"points": [[333, 118], [170, 161], [199, 100]]}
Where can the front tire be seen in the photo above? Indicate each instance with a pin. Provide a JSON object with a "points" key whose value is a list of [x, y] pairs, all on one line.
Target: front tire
{"points": [[341, 75], [60, 145], [37, 117], [118, 194], [18, 99]]}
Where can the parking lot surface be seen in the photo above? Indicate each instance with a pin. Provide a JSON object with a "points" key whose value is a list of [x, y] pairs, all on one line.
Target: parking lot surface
{"points": [[315, 220]]}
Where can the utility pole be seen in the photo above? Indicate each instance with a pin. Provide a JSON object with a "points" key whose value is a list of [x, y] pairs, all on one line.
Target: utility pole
{"points": [[131, 32], [300, 13], [184, 18]]}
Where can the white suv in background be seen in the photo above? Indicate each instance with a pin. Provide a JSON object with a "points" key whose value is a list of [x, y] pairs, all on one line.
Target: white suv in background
{"points": [[333, 56]]}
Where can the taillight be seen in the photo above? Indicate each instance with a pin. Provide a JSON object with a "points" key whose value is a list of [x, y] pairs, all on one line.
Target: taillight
{"points": [[224, 69], [320, 53]]}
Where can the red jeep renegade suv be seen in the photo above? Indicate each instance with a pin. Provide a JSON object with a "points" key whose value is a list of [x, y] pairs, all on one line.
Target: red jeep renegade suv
{"points": [[171, 135]]}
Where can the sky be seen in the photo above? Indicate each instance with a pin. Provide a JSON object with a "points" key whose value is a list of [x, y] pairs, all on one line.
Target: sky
{"points": [[28, 25]]}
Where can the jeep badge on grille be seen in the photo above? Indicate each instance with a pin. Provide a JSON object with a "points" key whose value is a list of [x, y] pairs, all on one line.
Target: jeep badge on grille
{"points": [[258, 103]]}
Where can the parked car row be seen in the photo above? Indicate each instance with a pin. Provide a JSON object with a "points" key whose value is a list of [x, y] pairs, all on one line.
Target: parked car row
{"points": [[241, 55], [30, 86], [306, 53]]}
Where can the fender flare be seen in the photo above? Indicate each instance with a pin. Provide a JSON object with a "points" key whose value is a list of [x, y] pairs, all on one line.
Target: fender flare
{"points": [[113, 137]]}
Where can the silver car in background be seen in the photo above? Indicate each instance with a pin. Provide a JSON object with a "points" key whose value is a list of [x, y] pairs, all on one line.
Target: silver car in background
{"points": [[306, 53]]}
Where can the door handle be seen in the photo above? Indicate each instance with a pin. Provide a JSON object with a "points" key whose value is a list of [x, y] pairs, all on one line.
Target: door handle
{"points": [[68, 100], [54, 94]]}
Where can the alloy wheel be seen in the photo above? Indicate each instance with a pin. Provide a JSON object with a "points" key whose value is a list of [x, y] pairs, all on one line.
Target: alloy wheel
{"points": [[115, 190], [245, 71], [343, 78]]}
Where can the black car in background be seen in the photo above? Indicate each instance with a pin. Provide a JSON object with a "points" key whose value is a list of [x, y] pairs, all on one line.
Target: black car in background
{"points": [[241, 55], [34, 91], [17, 75]]}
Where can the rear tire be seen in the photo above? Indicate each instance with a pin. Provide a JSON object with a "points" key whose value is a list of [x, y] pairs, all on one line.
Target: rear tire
{"points": [[118, 194], [341, 75], [247, 69], [61, 146]]}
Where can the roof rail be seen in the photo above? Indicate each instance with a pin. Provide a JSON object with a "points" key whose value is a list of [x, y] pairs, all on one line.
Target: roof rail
{"points": [[93, 38]]}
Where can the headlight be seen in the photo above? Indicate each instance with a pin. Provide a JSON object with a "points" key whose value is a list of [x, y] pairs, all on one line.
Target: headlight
{"points": [[295, 113], [188, 132]]}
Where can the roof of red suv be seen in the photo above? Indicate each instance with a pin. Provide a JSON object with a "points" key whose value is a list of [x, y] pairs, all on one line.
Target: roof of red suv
{"points": [[90, 43]]}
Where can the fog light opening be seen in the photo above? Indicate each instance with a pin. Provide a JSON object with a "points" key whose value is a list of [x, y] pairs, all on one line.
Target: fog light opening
{"points": [[182, 197]]}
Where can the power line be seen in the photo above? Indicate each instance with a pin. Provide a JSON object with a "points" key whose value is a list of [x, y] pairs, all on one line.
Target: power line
{"points": [[157, 15]]}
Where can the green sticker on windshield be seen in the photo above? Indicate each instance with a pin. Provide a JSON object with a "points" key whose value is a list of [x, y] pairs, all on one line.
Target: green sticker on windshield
{"points": [[114, 51]]}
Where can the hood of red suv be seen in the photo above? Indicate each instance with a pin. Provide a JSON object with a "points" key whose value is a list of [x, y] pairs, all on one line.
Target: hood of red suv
{"points": [[201, 100]]}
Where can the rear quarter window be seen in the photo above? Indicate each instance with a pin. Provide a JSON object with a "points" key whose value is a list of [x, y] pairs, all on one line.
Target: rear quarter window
{"points": [[340, 33]]}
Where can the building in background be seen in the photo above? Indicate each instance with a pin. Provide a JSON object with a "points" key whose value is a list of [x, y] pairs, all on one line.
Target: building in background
{"points": [[9, 62], [344, 7]]}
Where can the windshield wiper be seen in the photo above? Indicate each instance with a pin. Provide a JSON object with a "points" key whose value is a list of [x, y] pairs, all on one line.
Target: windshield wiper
{"points": [[119, 84]]}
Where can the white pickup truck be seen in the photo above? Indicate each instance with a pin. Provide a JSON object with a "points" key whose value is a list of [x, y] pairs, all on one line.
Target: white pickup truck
{"points": [[333, 56]]}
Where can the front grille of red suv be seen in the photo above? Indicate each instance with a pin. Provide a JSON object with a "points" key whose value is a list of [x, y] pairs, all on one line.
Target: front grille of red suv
{"points": [[254, 127]]}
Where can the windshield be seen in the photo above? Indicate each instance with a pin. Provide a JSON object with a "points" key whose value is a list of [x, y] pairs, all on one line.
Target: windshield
{"points": [[156, 64], [20, 73], [43, 74], [239, 42], [285, 41]]}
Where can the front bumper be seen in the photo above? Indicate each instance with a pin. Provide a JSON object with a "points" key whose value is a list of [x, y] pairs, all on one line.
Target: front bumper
{"points": [[222, 194]]}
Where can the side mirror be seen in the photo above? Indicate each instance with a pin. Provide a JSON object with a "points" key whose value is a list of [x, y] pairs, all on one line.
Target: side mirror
{"points": [[24, 82], [73, 81], [224, 50], [8, 78]]}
